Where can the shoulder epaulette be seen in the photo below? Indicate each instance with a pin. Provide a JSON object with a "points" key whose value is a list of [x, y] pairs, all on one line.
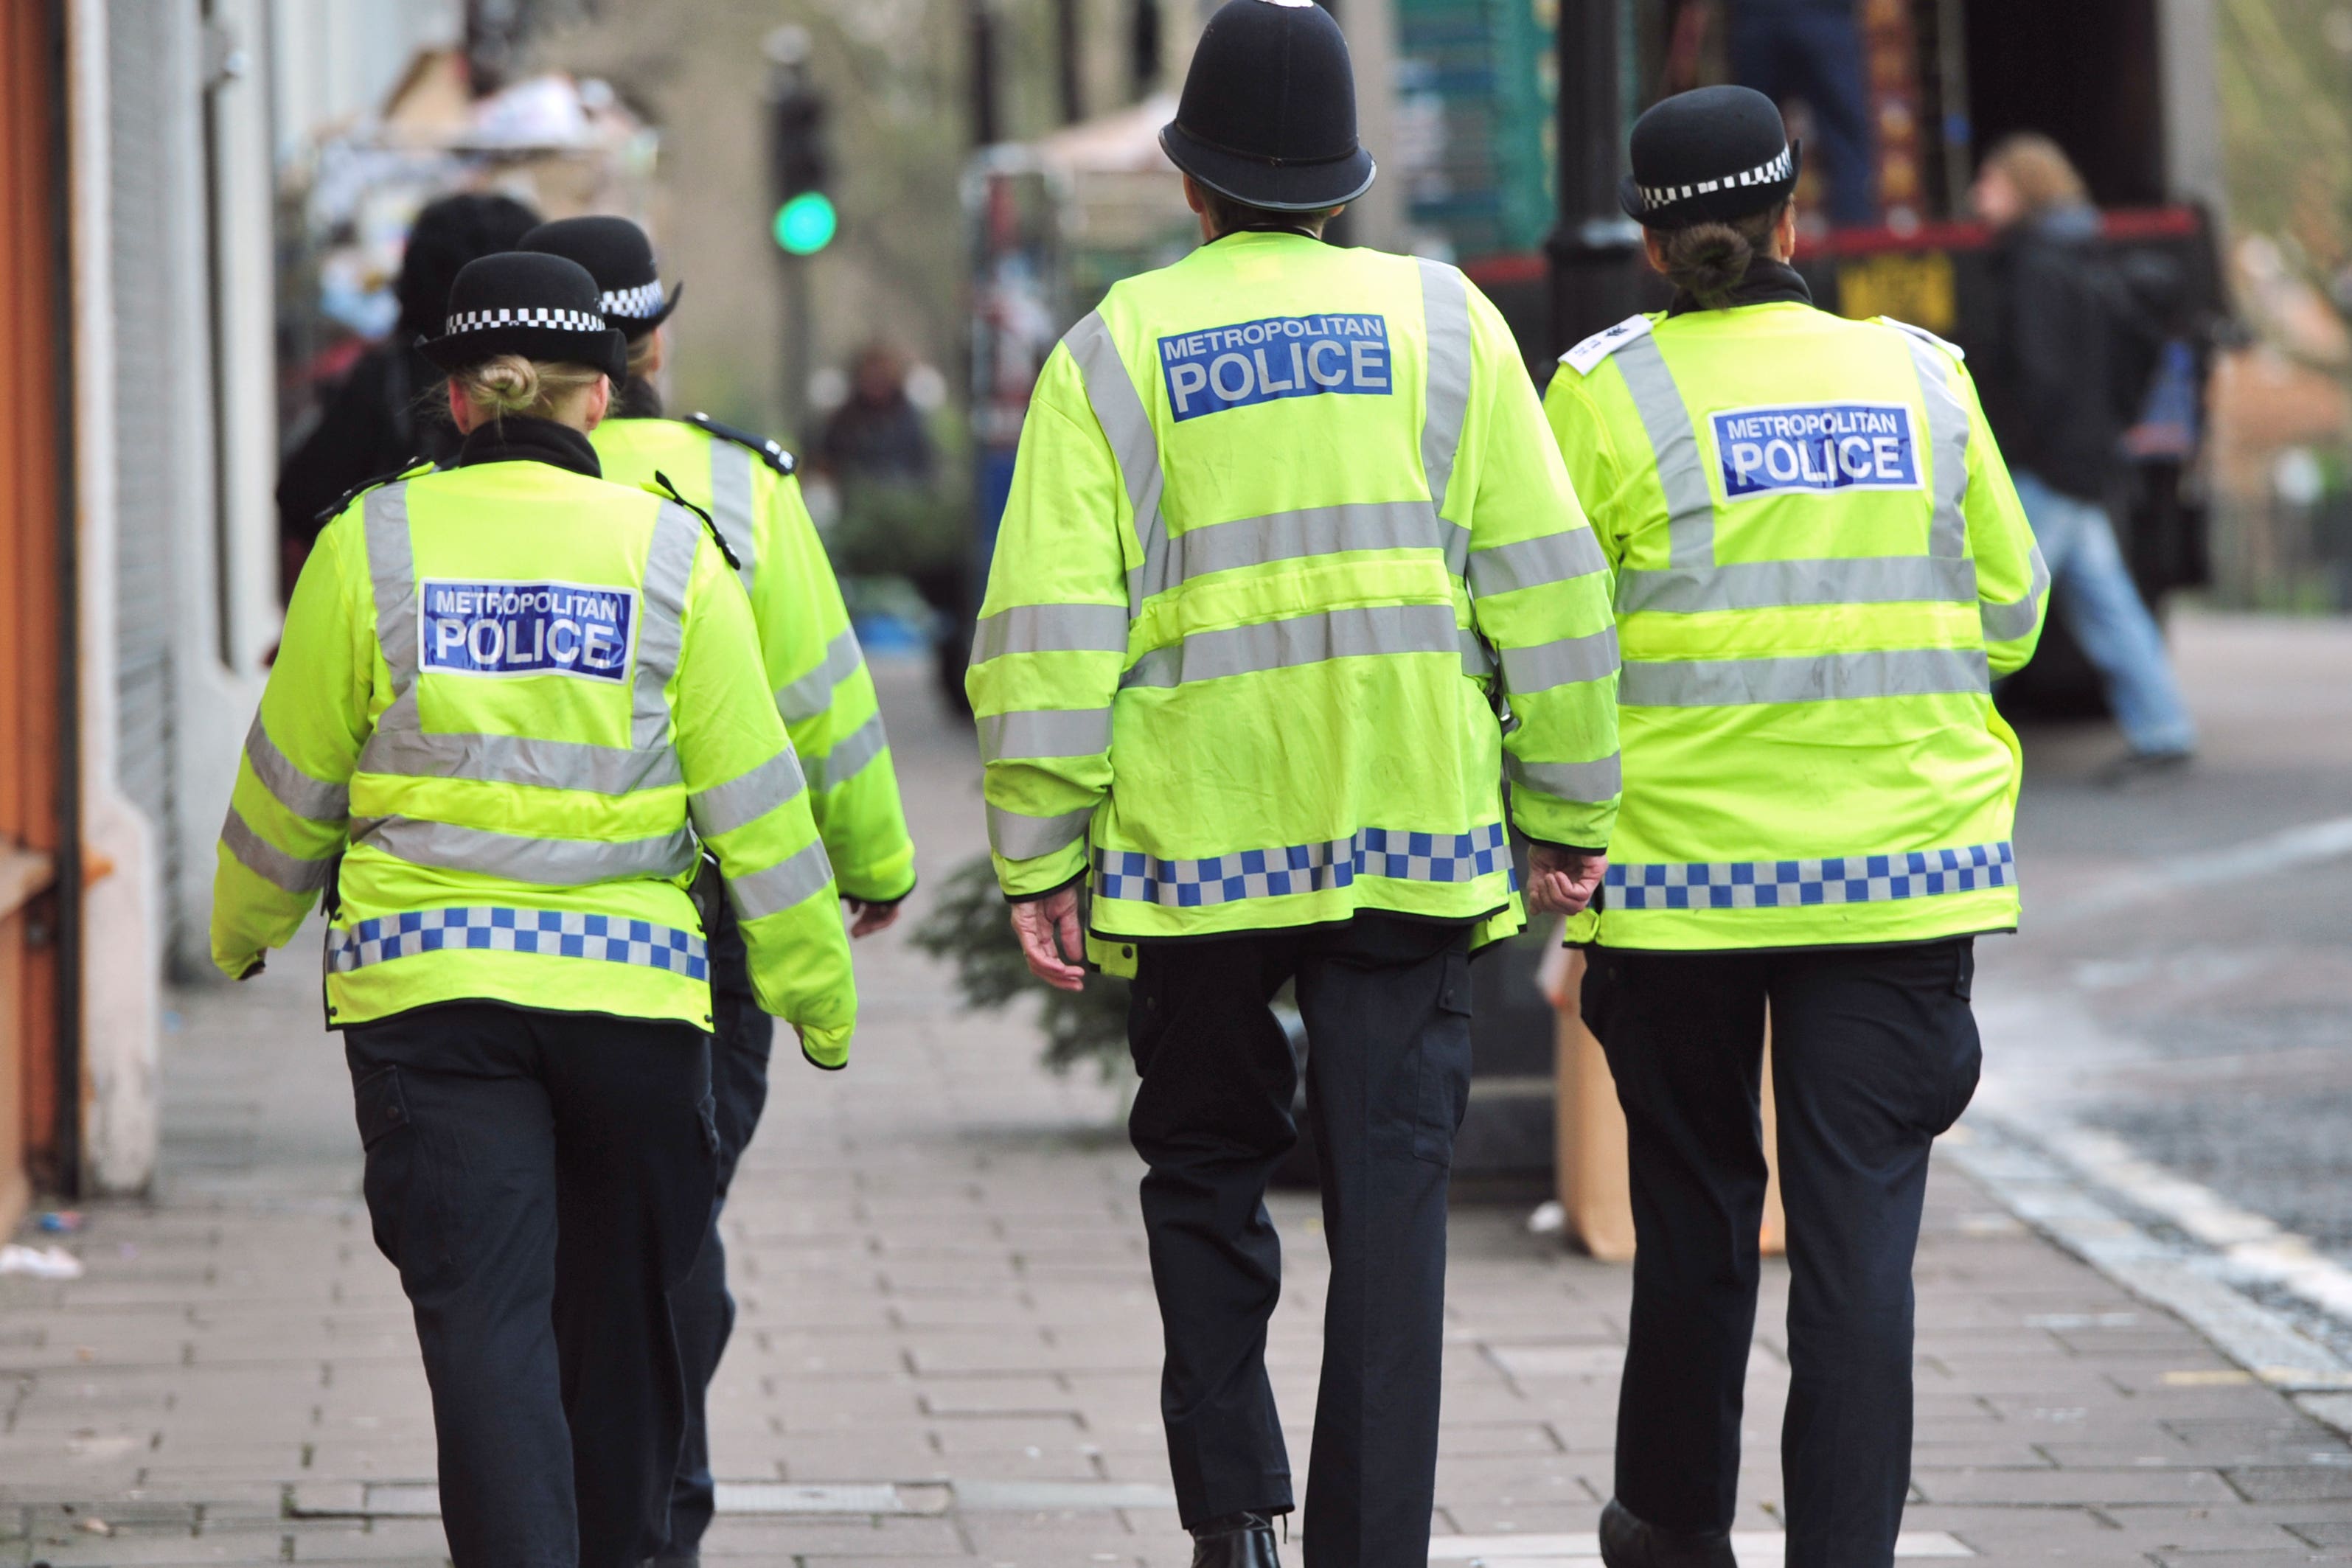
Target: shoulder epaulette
{"points": [[1586, 357], [408, 470], [662, 486], [775, 457], [1924, 335]]}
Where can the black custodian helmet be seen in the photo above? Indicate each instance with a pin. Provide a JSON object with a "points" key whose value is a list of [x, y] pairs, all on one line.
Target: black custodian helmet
{"points": [[1268, 115]]}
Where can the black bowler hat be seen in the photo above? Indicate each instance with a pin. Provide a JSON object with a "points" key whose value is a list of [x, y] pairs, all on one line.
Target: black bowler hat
{"points": [[540, 306], [620, 257], [1712, 155], [1268, 115]]}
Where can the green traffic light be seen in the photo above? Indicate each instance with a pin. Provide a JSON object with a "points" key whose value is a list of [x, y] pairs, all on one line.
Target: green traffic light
{"points": [[806, 224]]}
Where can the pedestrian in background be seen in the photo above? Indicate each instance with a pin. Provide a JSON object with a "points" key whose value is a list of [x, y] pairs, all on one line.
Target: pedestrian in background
{"points": [[825, 695], [2062, 383], [1279, 510], [505, 690], [1812, 50], [1820, 566], [386, 413]]}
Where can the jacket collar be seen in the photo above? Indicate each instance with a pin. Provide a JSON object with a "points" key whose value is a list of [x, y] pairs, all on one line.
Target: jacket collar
{"points": [[1768, 282], [518, 438], [636, 399]]}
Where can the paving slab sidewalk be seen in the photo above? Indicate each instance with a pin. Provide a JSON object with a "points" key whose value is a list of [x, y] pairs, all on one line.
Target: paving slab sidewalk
{"points": [[946, 1308]]}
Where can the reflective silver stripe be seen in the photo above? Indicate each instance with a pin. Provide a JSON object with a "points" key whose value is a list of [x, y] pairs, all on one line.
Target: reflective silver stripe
{"points": [[1017, 837], [1445, 318], [1531, 563], [1127, 425], [1301, 640], [1828, 677], [1587, 783], [731, 504], [1294, 536], [550, 862], [315, 798], [403, 752], [269, 862], [1673, 440], [1050, 629], [669, 565], [812, 693], [1548, 665], [1948, 436], [391, 574], [1478, 659], [1776, 584], [849, 755], [1045, 732], [787, 884], [723, 808], [2007, 622]]}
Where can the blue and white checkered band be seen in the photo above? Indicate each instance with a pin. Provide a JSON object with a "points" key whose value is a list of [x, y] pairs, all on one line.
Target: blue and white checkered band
{"points": [[1303, 868], [561, 320], [550, 933], [1790, 885], [635, 304], [1766, 173]]}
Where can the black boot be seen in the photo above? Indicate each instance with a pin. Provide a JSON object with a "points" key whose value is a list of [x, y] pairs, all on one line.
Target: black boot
{"points": [[1238, 1540], [1627, 1543]]}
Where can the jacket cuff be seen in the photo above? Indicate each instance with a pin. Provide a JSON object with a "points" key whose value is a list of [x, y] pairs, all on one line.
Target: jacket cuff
{"points": [[1045, 892]]}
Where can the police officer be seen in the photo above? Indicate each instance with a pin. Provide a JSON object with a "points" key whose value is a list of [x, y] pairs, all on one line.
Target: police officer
{"points": [[826, 697], [1822, 565], [511, 696], [1286, 527]]}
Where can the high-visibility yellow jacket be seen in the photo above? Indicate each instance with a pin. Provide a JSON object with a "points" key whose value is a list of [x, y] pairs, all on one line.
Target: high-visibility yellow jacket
{"points": [[1284, 523], [1821, 565], [505, 690], [814, 666]]}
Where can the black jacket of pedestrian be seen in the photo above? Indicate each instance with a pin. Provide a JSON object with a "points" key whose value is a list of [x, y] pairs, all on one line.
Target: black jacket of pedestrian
{"points": [[2050, 370], [387, 410]]}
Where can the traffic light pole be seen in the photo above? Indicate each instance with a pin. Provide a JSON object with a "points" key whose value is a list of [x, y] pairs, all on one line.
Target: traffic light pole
{"points": [[798, 366], [1595, 250]]}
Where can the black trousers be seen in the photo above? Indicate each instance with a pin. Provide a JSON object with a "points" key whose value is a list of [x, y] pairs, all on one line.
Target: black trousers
{"points": [[1873, 1053], [541, 1181], [1386, 1007], [702, 1306]]}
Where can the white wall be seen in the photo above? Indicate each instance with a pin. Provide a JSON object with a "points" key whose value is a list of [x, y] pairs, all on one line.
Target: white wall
{"points": [[332, 60], [121, 907]]}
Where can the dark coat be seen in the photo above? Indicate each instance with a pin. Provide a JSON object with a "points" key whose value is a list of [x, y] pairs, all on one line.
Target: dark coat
{"points": [[389, 409], [2051, 368]]}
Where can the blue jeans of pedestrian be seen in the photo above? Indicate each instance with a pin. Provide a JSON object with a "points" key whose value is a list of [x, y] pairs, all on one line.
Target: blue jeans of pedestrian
{"points": [[2094, 595], [1814, 52]]}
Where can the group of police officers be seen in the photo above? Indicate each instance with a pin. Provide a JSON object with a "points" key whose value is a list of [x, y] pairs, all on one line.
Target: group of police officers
{"points": [[1304, 602]]}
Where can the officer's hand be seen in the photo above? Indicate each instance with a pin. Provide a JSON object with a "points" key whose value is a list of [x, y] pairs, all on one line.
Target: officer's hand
{"points": [[1050, 938], [1563, 881], [867, 916]]}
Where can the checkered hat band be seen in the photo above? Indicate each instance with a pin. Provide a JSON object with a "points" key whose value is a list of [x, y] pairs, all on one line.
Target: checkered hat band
{"points": [[1793, 884], [643, 300], [550, 933], [560, 320], [1770, 174], [1303, 868]]}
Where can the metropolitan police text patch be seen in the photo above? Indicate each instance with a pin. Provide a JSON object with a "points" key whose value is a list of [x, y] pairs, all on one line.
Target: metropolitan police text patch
{"points": [[476, 628], [1818, 447], [1282, 356]]}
